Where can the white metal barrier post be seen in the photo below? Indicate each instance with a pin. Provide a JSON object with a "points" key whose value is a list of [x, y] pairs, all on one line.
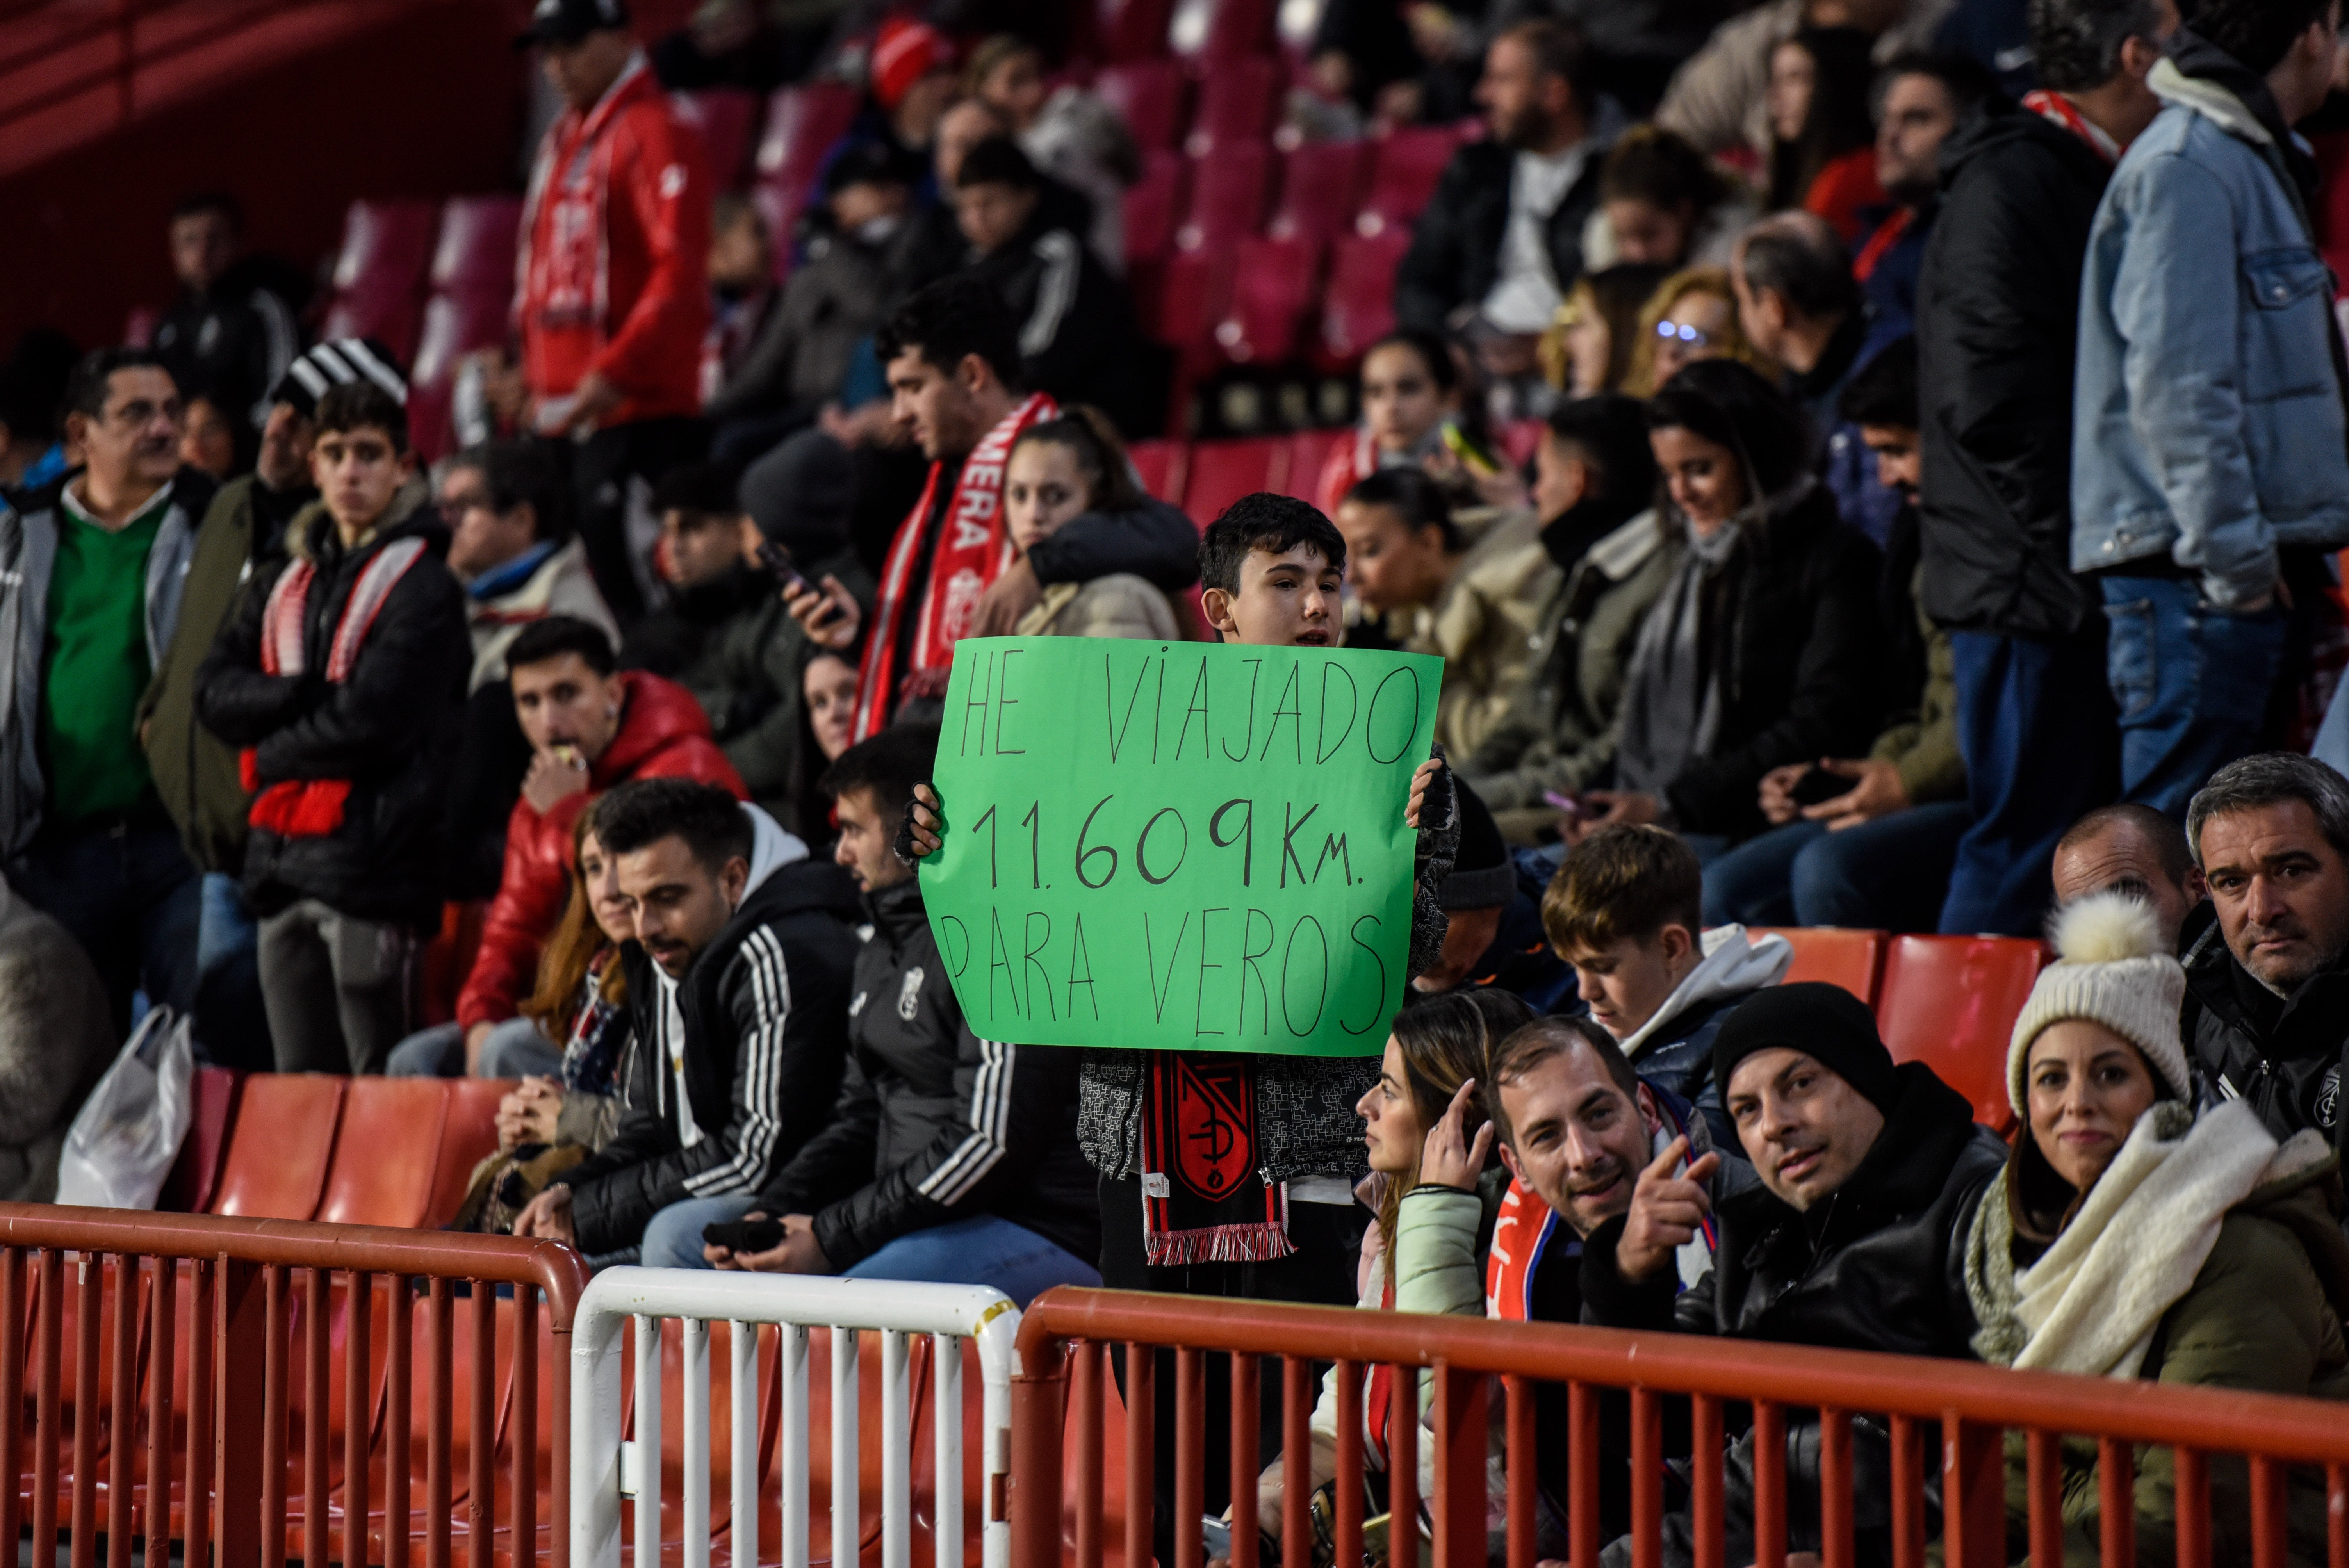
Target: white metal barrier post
{"points": [[605, 1468]]}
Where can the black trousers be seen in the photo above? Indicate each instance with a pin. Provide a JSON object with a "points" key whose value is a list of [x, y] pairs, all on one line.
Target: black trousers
{"points": [[1321, 1272], [602, 470]]}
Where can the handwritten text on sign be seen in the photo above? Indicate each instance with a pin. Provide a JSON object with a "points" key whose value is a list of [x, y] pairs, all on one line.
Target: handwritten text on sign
{"points": [[1178, 845]]}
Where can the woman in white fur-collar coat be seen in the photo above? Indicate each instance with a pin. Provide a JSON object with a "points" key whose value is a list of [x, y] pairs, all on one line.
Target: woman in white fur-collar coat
{"points": [[2135, 1234]]}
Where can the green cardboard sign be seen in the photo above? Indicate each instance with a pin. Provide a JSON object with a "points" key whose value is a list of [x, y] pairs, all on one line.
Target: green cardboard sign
{"points": [[1184, 846]]}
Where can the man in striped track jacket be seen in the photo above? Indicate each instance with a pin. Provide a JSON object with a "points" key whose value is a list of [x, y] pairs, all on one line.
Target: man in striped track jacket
{"points": [[738, 984], [947, 1157]]}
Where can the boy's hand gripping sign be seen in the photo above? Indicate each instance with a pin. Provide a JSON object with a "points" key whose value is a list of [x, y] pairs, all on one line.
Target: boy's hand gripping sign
{"points": [[1178, 846]]}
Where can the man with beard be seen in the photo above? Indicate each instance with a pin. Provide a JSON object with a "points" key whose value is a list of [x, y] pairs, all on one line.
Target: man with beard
{"points": [[1502, 237], [1921, 99], [1578, 1127], [956, 384], [2267, 1002], [739, 980], [1852, 1237]]}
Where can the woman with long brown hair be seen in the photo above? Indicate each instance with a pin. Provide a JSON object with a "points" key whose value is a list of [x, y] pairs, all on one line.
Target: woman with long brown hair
{"points": [[548, 1125], [1434, 1059]]}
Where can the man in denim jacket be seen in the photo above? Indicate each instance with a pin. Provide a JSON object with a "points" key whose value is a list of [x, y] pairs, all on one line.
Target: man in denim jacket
{"points": [[2211, 468]]}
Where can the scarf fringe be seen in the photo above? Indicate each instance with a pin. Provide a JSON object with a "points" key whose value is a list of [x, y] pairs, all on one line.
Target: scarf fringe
{"points": [[1216, 1244]]}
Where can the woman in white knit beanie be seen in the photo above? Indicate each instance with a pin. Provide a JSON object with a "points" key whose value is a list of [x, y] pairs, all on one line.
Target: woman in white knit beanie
{"points": [[2133, 1234]]}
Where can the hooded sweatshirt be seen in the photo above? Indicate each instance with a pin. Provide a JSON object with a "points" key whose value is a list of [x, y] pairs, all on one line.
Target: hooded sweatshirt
{"points": [[771, 849], [739, 1060], [1674, 1048]]}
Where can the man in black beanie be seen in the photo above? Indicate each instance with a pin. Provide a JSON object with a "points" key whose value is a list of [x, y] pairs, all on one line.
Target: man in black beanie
{"points": [[1493, 935], [1855, 1238]]}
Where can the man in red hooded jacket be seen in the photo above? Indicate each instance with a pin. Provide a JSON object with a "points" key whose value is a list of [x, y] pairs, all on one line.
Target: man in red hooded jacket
{"points": [[590, 726], [613, 296]]}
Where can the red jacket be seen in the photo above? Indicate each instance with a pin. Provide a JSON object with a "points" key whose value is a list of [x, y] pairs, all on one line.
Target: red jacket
{"points": [[614, 270], [663, 735]]}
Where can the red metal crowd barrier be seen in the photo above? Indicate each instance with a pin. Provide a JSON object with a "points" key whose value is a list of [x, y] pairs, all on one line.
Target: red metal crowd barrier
{"points": [[216, 1436], [1973, 1407]]}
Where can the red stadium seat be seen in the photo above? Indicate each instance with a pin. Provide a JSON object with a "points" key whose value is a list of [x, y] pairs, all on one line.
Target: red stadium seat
{"points": [[212, 1096], [1193, 290], [1162, 466], [724, 117], [1152, 204], [279, 1145], [1950, 1002], [386, 1153], [1307, 451], [1357, 305], [478, 235], [394, 321], [1149, 95], [1209, 33], [1223, 472], [455, 324], [468, 1136], [1320, 189], [1272, 289], [1130, 30], [1405, 167], [1235, 105], [1849, 958], [1227, 193], [386, 248]]}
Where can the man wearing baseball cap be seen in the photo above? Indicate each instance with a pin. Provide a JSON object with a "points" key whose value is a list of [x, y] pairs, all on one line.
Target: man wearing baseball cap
{"points": [[243, 539], [615, 291], [1855, 1238]]}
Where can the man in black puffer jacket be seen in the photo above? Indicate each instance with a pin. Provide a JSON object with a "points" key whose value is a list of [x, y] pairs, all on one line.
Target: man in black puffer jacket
{"points": [[341, 683], [1855, 1240], [738, 984], [1998, 311], [947, 1157]]}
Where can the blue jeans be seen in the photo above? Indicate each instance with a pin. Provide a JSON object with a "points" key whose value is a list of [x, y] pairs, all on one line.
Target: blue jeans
{"points": [[515, 1049], [2035, 725], [232, 1024], [2192, 683], [981, 1250], [132, 898], [673, 1236], [1889, 874]]}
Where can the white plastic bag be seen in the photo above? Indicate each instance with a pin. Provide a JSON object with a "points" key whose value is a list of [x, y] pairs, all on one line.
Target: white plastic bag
{"points": [[126, 1134]]}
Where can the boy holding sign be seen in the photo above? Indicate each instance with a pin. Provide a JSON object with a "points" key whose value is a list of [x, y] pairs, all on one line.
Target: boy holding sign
{"points": [[1230, 1172]]}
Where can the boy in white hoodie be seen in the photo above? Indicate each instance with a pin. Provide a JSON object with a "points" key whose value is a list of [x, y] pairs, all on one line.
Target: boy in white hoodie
{"points": [[1625, 911]]}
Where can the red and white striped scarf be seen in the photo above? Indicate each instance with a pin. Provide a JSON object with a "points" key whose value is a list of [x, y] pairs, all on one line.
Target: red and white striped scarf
{"points": [[971, 551], [309, 808]]}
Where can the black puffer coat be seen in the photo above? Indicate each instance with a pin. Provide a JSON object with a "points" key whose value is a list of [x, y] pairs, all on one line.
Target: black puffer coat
{"points": [[1805, 676], [2284, 1056], [1998, 313], [1880, 1266], [933, 1123], [765, 1015], [390, 728]]}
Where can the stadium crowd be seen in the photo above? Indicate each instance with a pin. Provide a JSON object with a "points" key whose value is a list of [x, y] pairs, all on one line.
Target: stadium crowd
{"points": [[1941, 462]]}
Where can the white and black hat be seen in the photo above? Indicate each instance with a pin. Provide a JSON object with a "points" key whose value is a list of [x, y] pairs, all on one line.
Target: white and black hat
{"points": [[320, 369]]}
